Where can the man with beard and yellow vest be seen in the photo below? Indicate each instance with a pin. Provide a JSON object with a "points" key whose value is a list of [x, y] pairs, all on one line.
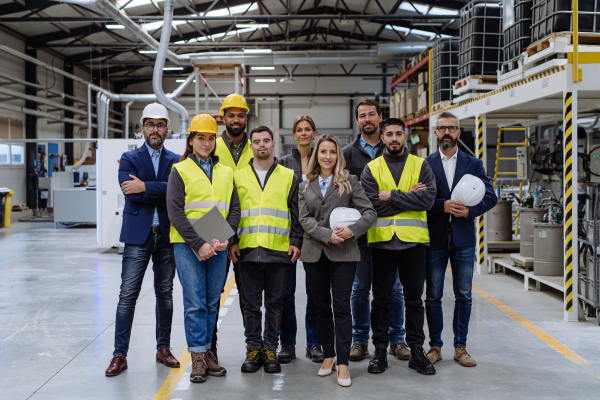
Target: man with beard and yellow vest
{"points": [[268, 241], [402, 188]]}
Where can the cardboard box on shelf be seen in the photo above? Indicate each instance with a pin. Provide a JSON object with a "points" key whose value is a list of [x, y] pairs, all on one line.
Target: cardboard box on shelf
{"points": [[423, 135], [392, 112], [423, 100], [412, 105], [422, 152], [402, 104], [422, 88], [423, 78]]}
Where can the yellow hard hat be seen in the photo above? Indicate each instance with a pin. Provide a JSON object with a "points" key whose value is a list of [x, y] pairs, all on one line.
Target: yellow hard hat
{"points": [[203, 123], [234, 100]]}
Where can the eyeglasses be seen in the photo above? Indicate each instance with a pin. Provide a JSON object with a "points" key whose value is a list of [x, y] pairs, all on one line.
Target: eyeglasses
{"points": [[151, 126], [451, 129]]}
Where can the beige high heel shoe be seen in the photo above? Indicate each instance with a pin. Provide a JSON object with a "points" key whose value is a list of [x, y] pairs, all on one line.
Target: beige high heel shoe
{"points": [[327, 372], [344, 382]]}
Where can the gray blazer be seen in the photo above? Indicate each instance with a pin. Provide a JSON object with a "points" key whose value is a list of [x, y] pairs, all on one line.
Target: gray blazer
{"points": [[314, 218]]}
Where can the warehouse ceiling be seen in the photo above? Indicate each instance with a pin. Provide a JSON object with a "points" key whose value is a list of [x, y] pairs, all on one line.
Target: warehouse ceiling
{"points": [[85, 36]]}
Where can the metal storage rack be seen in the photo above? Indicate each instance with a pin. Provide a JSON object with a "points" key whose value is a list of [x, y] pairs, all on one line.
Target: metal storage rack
{"points": [[560, 92], [444, 66]]}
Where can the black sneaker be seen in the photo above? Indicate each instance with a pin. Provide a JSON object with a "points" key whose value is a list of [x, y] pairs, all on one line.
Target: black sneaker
{"points": [[286, 354], [270, 361], [253, 361], [379, 362], [419, 361], [315, 353]]}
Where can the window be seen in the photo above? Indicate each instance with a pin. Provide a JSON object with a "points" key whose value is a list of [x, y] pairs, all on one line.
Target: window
{"points": [[18, 153], [4, 154], [11, 154]]}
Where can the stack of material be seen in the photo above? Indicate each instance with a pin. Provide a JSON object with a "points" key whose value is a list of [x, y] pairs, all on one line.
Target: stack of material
{"points": [[423, 93], [481, 39], [517, 31], [410, 98], [551, 16], [444, 69]]}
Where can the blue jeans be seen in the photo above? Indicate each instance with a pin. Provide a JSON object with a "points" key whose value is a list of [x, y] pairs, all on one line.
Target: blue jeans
{"points": [[361, 304], [462, 262], [134, 265], [288, 330], [201, 283]]}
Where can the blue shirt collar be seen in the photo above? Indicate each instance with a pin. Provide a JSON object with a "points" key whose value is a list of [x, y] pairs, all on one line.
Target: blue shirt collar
{"points": [[202, 162], [327, 181], [151, 150], [364, 143]]}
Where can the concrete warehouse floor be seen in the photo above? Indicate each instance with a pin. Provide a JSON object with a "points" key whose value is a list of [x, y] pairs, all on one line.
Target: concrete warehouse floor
{"points": [[59, 292]]}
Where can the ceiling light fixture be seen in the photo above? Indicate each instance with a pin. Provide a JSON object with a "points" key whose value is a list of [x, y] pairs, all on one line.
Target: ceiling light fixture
{"points": [[265, 80], [147, 51], [114, 26], [262, 68], [173, 69], [257, 51], [252, 26]]}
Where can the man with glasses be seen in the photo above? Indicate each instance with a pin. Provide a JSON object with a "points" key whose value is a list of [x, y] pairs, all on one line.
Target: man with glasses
{"points": [[143, 175], [452, 237]]}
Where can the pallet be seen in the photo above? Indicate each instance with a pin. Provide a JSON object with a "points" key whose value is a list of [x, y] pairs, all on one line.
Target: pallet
{"points": [[423, 111], [487, 80], [411, 116], [403, 119], [588, 39], [440, 106]]}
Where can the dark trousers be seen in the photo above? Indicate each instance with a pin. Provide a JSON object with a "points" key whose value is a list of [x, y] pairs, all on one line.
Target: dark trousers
{"points": [[289, 325], [236, 274], [330, 280], [134, 265], [270, 279], [410, 264]]}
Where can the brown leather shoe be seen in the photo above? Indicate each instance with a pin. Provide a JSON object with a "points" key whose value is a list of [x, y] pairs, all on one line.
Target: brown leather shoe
{"points": [[434, 354], [461, 356], [165, 356], [199, 366], [400, 350], [214, 369], [117, 365], [358, 352]]}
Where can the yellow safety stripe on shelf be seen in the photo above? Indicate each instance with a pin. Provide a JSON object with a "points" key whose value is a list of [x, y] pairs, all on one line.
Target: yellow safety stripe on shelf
{"points": [[481, 242], [568, 203], [535, 77], [591, 57]]}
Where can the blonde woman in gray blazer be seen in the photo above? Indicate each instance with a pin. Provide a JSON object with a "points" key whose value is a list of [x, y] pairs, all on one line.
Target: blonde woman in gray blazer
{"points": [[330, 256]]}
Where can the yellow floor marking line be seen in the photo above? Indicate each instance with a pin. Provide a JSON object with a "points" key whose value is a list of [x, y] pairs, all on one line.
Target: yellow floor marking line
{"points": [[176, 374]]}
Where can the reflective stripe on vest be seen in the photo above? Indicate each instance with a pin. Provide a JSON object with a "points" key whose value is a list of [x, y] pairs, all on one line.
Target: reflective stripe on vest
{"points": [[265, 217], [408, 226], [200, 194], [226, 158]]}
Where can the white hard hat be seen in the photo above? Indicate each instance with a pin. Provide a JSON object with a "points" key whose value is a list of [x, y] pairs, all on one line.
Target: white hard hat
{"points": [[155, 111], [469, 190], [343, 216]]}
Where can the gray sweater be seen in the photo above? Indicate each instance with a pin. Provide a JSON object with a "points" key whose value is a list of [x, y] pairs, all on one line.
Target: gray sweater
{"points": [[176, 203], [399, 201]]}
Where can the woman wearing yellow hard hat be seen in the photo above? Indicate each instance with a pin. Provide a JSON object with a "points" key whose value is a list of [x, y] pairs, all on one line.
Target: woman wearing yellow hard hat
{"points": [[197, 183]]}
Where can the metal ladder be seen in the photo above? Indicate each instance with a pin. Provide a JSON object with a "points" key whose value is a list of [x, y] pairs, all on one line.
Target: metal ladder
{"points": [[498, 159]]}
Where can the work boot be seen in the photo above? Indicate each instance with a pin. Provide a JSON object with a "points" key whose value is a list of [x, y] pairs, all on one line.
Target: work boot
{"points": [[164, 356], [214, 369], [379, 362], [199, 367], [253, 361], [286, 354], [271, 363], [419, 361], [461, 355], [400, 350], [358, 352], [434, 354], [117, 365], [315, 353]]}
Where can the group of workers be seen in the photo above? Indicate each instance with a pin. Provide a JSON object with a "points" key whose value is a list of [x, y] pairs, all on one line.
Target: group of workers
{"points": [[407, 230]]}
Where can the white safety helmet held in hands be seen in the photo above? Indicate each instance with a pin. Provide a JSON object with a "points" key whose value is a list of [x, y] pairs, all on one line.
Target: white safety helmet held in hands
{"points": [[155, 111], [343, 216], [469, 190]]}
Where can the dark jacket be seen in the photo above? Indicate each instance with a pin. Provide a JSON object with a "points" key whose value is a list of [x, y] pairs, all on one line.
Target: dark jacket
{"points": [[229, 142], [314, 217], [176, 204], [262, 255], [357, 157], [399, 201], [138, 212], [293, 161], [463, 229]]}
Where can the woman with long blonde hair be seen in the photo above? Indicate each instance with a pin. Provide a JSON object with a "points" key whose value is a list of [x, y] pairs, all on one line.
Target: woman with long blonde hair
{"points": [[304, 131], [330, 255]]}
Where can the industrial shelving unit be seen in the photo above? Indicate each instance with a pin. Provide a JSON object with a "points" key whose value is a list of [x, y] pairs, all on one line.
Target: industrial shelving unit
{"points": [[560, 92]]}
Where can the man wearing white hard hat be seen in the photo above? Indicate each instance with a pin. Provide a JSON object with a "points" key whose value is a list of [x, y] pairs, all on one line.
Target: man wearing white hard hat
{"points": [[464, 192], [143, 176]]}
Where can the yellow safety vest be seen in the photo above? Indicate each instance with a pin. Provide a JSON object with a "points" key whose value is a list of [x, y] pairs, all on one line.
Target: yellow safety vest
{"points": [[409, 226], [226, 158], [265, 219], [200, 194]]}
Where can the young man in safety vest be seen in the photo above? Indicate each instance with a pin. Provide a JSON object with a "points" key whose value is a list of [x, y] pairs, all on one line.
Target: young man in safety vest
{"points": [[268, 241], [402, 188], [452, 230], [233, 150]]}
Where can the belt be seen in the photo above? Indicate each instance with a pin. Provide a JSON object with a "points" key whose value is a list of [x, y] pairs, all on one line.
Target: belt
{"points": [[155, 229]]}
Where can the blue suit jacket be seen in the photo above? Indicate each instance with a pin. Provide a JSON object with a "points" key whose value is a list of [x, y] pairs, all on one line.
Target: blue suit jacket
{"points": [[463, 229], [139, 207]]}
